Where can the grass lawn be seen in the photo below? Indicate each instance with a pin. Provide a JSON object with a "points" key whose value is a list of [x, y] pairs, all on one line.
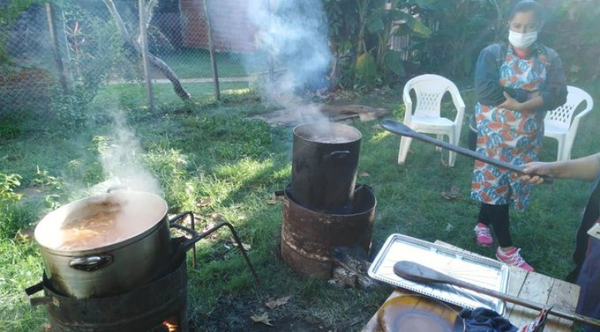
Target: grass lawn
{"points": [[196, 63], [131, 95], [216, 160]]}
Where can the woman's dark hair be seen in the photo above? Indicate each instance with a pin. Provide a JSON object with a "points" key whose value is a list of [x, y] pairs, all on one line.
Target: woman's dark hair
{"points": [[528, 6]]}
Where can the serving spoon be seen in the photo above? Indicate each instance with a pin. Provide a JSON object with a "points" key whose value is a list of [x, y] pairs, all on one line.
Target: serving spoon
{"points": [[399, 128], [420, 273]]}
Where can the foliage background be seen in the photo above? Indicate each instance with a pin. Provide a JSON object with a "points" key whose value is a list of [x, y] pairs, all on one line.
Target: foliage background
{"points": [[457, 30], [373, 43], [213, 157]]}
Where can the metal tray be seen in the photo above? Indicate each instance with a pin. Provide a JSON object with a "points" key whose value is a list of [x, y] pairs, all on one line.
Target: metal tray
{"points": [[477, 270]]}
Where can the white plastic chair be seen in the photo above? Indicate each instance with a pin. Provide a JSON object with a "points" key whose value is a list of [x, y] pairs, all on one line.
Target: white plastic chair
{"points": [[426, 117], [558, 125]]}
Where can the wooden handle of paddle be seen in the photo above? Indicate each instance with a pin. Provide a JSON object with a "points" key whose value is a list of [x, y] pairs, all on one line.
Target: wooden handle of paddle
{"points": [[403, 130], [420, 273]]}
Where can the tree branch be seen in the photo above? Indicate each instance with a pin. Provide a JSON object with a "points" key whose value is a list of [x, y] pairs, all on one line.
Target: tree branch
{"points": [[154, 60]]}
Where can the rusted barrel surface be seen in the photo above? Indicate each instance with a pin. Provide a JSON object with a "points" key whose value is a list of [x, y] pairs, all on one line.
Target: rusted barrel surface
{"points": [[308, 237], [143, 309]]}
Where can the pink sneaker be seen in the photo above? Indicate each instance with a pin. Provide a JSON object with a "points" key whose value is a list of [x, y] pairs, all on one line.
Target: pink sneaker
{"points": [[512, 257], [483, 235]]}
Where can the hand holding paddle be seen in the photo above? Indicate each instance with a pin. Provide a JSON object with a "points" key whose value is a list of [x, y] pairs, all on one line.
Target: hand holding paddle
{"points": [[420, 273]]}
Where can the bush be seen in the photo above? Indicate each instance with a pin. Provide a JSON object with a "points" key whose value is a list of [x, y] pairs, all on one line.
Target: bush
{"points": [[572, 30], [11, 215]]}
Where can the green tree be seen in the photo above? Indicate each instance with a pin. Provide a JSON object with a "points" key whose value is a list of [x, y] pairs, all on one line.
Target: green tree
{"points": [[572, 30], [360, 33]]}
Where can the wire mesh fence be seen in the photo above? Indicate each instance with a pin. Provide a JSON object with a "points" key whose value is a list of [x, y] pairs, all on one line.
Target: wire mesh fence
{"points": [[89, 51], [24, 82]]}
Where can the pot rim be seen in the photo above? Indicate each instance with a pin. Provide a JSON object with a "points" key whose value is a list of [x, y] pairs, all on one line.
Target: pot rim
{"points": [[103, 249], [353, 134], [52, 221], [359, 186]]}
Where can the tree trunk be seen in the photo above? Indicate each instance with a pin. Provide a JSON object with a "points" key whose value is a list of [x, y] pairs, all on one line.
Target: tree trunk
{"points": [[155, 61]]}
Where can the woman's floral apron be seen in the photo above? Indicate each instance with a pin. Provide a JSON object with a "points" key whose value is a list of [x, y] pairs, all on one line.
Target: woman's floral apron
{"points": [[511, 136]]}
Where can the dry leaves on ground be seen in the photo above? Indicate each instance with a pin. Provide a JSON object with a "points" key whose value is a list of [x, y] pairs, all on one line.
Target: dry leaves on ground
{"points": [[246, 247], [451, 195], [264, 319], [272, 304], [204, 201]]}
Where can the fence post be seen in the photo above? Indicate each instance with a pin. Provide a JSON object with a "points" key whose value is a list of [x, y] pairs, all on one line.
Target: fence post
{"points": [[144, 44], [211, 49], [271, 60], [63, 71]]}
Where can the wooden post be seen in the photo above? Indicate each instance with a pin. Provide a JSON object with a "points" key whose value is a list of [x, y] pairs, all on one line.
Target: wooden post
{"points": [[144, 44], [64, 75], [211, 49], [271, 61]]}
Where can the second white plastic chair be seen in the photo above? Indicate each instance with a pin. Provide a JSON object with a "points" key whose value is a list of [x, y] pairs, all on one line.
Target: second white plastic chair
{"points": [[558, 125], [426, 117]]}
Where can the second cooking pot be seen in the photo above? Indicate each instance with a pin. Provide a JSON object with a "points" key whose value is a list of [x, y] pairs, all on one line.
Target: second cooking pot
{"points": [[324, 165], [105, 245]]}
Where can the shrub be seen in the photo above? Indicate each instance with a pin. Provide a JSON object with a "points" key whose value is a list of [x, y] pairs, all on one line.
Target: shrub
{"points": [[11, 215]]}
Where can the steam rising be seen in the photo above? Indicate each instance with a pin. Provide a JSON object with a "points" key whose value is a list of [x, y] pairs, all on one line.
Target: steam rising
{"points": [[121, 161], [294, 34]]}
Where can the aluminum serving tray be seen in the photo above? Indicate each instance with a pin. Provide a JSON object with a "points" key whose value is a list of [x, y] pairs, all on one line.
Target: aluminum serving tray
{"points": [[477, 270]]}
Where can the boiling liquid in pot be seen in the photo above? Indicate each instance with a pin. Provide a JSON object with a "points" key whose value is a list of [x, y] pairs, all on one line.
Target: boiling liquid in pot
{"points": [[327, 133], [97, 230], [326, 139], [100, 223]]}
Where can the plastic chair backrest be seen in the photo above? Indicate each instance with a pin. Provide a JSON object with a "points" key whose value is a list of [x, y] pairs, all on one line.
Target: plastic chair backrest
{"points": [[429, 90], [562, 116]]}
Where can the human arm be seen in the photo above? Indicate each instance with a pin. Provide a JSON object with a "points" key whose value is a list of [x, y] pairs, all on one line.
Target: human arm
{"points": [[487, 76], [554, 90], [533, 103], [487, 79], [585, 168]]}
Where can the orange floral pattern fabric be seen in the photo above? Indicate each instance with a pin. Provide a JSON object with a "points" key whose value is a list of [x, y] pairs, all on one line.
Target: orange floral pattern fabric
{"points": [[511, 136]]}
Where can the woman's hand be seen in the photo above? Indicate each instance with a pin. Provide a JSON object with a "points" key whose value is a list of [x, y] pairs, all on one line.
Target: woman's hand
{"points": [[535, 170], [511, 103]]}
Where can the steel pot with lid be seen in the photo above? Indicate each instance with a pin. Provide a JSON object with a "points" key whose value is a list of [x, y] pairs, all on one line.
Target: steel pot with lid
{"points": [[324, 165], [105, 245]]}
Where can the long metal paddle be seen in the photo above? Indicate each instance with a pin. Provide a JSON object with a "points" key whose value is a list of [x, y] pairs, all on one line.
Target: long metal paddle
{"points": [[403, 130], [420, 273]]}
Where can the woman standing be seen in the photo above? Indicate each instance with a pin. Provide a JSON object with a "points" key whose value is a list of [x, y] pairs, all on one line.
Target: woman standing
{"points": [[516, 83]]}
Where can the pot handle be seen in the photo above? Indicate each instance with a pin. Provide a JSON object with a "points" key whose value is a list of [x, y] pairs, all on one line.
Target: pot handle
{"points": [[91, 263], [337, 155]]}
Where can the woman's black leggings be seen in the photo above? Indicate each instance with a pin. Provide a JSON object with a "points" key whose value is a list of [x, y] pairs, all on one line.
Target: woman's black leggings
{"points": [[497, 217]]}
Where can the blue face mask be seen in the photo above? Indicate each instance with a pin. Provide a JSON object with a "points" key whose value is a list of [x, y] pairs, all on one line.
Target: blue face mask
{"points": [[522, 40]]}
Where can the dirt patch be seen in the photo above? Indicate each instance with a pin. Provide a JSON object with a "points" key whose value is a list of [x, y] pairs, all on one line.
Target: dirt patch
{"points": [[233, 315], [322, 112]]}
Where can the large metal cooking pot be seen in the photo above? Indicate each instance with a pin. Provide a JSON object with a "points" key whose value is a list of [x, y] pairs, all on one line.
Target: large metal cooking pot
{"points": [[324, 165], [105, 245]]}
